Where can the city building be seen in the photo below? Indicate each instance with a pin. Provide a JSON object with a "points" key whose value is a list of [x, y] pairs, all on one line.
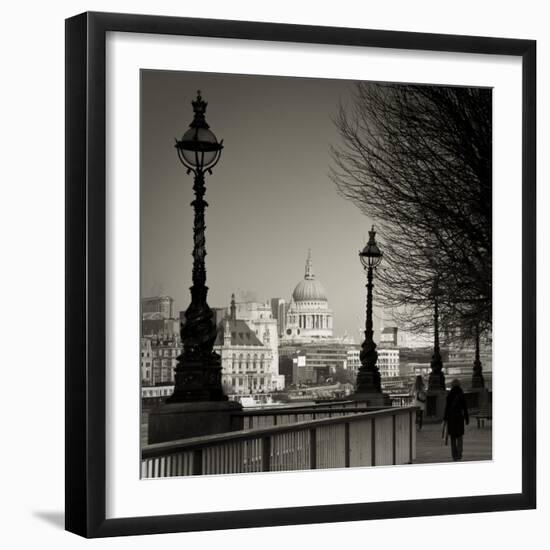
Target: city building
{"points": [[388, 336], [286, 368], [460, 358], [157, 317], [279, 310], [409, 358], [259, 317], [309, 316], [322, 362], [353, 361], [163, 305], [146, 361], [388, 362], [248, 349], [165, 352], [302, 372], [326, 360]]}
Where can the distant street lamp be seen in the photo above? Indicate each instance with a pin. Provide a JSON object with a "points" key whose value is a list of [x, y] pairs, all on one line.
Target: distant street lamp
{"points": [[477, 376], [368, 376], [436, 380], [198, 371]]}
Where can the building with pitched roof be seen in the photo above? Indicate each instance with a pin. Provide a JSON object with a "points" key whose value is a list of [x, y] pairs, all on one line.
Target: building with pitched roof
{"points": [[250, 363]]}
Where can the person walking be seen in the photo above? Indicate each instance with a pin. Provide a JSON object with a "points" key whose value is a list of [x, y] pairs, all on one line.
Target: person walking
{"points": [[419, 400], [456, 415]]}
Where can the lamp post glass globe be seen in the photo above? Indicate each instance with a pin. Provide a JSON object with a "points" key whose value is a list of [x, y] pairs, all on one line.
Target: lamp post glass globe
{"points": [[371, 256], [199, 149]]}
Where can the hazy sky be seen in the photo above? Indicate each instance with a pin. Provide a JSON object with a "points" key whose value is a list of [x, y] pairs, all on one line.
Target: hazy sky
{"points": [[270, 196]]}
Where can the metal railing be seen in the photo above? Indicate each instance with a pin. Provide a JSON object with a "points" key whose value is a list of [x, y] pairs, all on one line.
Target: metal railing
{"points": [[348, 438], [268, 417]]}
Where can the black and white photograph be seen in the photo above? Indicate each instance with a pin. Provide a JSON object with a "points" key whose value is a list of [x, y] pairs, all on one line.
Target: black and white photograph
{"points": [[315, 273], [274, 274]]}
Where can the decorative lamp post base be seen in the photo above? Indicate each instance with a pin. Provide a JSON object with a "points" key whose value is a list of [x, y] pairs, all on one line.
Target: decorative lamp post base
{"points": [[198, 380], [436, 400], [198, 405], [478, 389], [173, 421], [371, 399], [477, 382], [436, 395], [436, 382], [368, 389]]}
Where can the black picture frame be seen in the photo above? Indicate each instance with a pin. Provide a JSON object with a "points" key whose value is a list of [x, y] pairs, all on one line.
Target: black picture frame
{"points": [[86, 284]]}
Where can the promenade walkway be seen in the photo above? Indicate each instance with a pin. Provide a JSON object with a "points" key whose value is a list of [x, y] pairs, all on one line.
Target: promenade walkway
{"points": [[430, 446]]}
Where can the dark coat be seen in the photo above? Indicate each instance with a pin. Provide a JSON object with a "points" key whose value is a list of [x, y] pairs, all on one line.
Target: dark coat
{"points": [[456, 412]]}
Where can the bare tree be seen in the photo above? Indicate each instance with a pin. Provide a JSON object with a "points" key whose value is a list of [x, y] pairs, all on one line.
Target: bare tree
{"points": [[418, 160]]}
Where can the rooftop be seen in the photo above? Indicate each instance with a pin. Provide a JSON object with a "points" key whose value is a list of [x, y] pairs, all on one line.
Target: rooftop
{"points": [[241, 333]]}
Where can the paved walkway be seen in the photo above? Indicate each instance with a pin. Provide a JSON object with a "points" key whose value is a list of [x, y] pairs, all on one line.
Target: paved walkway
{"points": [[430, 447]]}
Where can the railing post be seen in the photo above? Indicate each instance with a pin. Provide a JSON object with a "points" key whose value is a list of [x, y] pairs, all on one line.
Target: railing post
{"points": [[313, 449], [394, 437], [347, 450], [411, 427], [373, 441], [197, 462], [266, 454]]}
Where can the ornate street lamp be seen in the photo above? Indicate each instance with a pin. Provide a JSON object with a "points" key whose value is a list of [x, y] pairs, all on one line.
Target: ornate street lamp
{"points": [[368, 377], [436, 380], [198, 372], [477, 376]]}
